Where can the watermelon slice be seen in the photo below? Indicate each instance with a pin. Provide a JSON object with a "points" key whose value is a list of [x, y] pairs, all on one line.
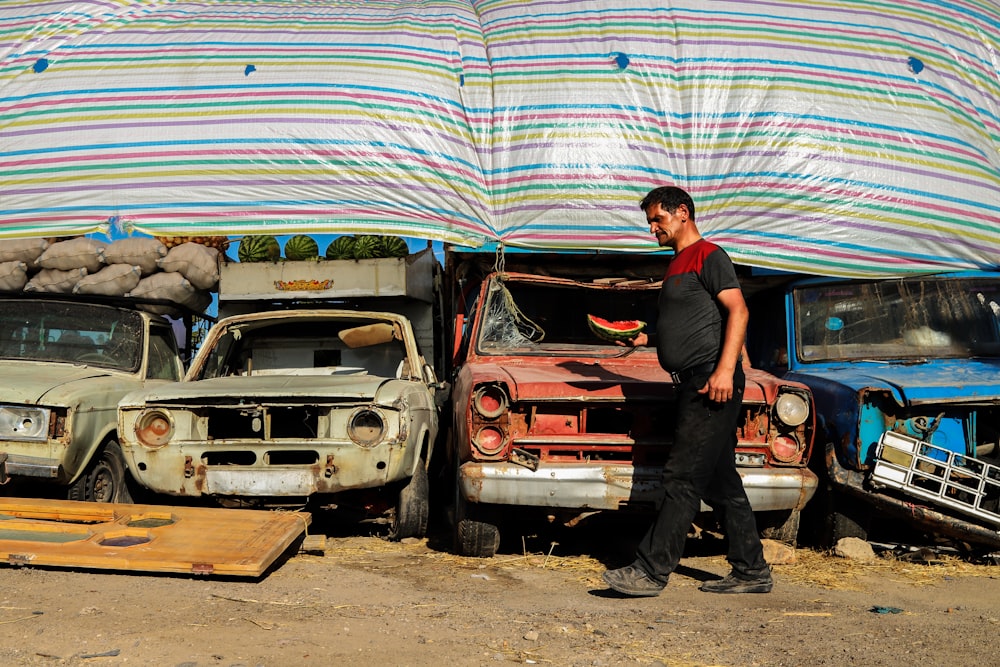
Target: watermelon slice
{"points": [[620, 330]]}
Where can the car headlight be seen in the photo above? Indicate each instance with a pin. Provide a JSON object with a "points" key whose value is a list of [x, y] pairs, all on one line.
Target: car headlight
{"points": [[489, 440], [490, 400], [791, 409], [786, 449], [366, 427], [24, 423], [154, 428]]}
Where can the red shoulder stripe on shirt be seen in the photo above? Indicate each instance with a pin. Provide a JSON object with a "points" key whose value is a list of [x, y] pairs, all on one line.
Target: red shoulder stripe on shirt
{"points": [[692, 258]]}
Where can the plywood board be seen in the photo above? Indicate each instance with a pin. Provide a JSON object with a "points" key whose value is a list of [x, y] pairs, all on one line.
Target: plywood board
{"points": [[150, 538]]}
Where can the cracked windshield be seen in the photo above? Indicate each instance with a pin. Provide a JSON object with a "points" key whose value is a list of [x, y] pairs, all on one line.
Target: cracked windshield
{"points": [[65, 332], [551, 317]]}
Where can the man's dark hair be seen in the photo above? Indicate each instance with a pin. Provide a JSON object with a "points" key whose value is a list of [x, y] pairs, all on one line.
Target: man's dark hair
{"points": [[669, 197]]}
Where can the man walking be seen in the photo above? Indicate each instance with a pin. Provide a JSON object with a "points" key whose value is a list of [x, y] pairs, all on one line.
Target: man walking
{"points": [[701, 327]]}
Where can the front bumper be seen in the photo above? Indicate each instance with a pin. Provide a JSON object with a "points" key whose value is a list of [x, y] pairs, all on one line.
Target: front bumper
{"points": [[928, 518], [268, 469], [16, 465], [612, 485]]}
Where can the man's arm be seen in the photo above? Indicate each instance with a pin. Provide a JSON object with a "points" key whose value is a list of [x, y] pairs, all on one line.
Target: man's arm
{"points": [[720, 385]]}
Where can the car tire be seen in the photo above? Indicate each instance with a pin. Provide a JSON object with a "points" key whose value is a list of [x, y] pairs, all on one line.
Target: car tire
{"points": [[412, 507], [780, 525], [832, 516], [473, 536], [843, 525], [106, 479], [477, 539]]}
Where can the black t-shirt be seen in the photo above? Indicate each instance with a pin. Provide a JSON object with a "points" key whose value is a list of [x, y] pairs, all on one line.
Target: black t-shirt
{"points": [[690, 322]]}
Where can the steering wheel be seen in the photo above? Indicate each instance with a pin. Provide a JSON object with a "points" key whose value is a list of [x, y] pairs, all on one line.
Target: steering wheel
{"points": [[93, 358]]}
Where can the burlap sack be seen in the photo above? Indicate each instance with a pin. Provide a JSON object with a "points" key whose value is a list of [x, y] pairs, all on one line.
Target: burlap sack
{"points": [[196, 262], [171, 286], [113, 280], [78, 253], [55, 280], [13, 276], [143, 252], [23, 250]]}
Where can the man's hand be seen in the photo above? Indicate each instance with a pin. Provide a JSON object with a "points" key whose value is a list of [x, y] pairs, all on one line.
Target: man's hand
{"points": [[719, 387], [639, 340]]}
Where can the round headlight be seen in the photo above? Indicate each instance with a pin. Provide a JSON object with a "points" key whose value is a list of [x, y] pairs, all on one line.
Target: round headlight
{"points": [[154, 428], [785, 449], [366, 427], [489, 440], [490, 401], [791, 409]]}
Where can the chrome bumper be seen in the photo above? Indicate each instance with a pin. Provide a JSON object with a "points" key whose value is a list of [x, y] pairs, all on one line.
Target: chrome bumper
{"points": [[12, 465], [609, 486]]}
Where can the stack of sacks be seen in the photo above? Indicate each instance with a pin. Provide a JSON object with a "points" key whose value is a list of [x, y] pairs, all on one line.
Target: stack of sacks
{"points": [[184, 274], [19, 259]]}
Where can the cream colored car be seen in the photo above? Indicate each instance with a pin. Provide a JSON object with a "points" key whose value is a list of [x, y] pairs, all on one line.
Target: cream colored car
{"points": [[65, 363], [287, 407]]}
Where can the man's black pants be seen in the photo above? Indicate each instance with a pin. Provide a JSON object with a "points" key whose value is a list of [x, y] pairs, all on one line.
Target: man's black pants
{"points": [[702, 465]]}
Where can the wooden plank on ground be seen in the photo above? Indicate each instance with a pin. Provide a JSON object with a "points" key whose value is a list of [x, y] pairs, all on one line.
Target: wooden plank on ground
{"points": [[150, 538]]}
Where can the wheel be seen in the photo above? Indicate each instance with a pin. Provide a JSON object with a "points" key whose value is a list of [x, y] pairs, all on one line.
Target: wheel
{"points": [[105, 480], [478, 539], [412, 507], [473, 536], [843, 525], [780, 525], [832, 516]]}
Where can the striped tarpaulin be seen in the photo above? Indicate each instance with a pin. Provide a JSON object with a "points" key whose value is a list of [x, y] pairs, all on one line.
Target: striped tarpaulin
{"points": [[840, 137]]}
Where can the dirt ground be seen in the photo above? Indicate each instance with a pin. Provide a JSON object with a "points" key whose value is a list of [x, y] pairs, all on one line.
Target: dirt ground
{"points": [[367, 601]]}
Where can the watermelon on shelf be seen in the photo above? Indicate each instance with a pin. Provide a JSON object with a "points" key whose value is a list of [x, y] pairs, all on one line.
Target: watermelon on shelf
{"points": [[259, 248], [366, 246], [301, 247], [341, 247], [392, 246], [612, 331]]}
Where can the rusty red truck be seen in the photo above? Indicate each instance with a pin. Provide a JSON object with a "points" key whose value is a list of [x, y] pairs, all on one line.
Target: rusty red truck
{"points": [[547, 416]]}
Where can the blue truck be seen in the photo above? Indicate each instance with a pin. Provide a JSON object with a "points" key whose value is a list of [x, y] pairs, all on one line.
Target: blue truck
{"points": [[905, 374]]}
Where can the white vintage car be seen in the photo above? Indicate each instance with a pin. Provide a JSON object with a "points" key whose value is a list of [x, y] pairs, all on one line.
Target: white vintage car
{"points": [[284, 407], [65, 361]]}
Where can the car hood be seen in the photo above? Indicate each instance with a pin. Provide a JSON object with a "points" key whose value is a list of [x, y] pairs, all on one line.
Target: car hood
{"points": [[582, 379], [260, 387], [54, 384], [937, 381]]}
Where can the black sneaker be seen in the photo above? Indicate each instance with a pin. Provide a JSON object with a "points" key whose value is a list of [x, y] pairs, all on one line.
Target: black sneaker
{"points": [[632, 580], [733, 583]]}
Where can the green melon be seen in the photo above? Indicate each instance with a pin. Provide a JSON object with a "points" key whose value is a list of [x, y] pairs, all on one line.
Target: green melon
{"points": [[259, 248], [341, 247], [620, 330], [301, 247], [392, 246], [366, 247]]}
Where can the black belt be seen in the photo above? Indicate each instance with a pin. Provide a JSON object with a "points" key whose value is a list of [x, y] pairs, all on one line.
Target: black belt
{"points": [[691, 371]]}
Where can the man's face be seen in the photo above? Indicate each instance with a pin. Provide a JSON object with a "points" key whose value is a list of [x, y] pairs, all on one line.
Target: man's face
{"points": [[666, 225]]}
